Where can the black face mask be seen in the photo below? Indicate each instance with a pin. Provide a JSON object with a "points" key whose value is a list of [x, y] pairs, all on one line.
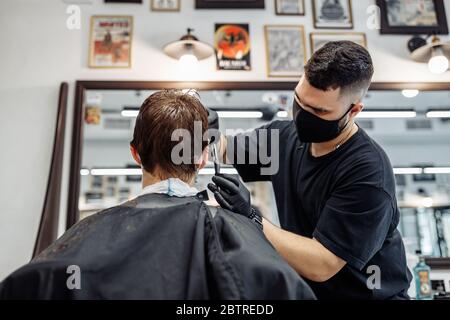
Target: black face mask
{"points": [[311, 128]]}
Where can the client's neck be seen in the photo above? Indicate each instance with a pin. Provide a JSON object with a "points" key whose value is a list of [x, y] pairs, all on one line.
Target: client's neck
{"points": [[149, 178]]}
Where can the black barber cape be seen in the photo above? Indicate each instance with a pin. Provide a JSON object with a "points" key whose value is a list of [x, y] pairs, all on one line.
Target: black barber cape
{"points": [[159, 247]]}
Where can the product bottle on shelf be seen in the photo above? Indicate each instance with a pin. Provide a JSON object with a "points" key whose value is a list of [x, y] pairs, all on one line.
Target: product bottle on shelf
{"points": [[422, 276]]}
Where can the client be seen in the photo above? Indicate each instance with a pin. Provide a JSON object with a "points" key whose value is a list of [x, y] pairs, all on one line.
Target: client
{"points": [[166, 243]]}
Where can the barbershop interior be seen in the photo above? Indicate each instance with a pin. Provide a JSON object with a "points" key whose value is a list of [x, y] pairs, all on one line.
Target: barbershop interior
{"points": [[76, 75]]}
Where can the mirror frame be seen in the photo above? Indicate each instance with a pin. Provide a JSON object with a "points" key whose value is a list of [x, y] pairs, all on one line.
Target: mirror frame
{"points": [[83, 85], [48, 225]]}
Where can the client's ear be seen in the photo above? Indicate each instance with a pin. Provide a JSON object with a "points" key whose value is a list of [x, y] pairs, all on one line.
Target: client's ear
{"points": [[204, 159], [135, 155]]}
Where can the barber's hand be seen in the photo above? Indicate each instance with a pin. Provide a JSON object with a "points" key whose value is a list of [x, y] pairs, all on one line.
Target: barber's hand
{"points": [[231, 194]]}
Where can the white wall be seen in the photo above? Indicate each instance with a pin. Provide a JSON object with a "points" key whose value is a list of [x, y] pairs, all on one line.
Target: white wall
{"points": [[38, 52]]}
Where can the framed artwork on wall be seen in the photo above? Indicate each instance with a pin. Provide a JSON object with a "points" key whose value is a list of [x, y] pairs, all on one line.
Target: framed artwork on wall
{"points": [[318, 39], [290, 7], [412, 17], [110, 41], [232, 46], [285, 50], [229, 4], [332, 14], [165, 5]]}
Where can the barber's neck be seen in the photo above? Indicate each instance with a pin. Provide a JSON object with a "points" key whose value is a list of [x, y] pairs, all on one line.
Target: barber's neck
{"points": [[149, 178], [323, 148]]}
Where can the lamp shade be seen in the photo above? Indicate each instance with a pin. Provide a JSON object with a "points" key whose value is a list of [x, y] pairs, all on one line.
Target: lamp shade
{"points": [[188, 44], [424, 53]]}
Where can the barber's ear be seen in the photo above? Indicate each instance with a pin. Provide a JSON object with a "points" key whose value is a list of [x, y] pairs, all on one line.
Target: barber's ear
{"points": [[357, 108], [135, 155]]}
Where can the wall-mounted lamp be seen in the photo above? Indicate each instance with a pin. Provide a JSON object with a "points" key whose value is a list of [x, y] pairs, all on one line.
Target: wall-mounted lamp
{"points": [[435, 53], [188, 51]]}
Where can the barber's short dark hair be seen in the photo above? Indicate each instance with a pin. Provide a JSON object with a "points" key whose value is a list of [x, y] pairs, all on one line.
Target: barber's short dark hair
{"points": [[340, 64], [159, 116]]}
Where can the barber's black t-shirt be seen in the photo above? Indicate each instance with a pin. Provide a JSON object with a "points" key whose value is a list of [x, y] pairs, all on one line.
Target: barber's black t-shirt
{"points": [[344, 199]]}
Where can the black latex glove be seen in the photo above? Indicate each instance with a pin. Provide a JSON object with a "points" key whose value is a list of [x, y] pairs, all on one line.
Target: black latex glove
{"points": [[213, 119], [231, 194], [213, 126]]}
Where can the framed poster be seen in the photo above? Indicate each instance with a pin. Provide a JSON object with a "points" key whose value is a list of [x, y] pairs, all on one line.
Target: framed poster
{"points": [[290, 7], [318, 39], [165, 5], [412, 17], [332, 14], [232, 46], [110, 41], [285, 50], [229, 4]]}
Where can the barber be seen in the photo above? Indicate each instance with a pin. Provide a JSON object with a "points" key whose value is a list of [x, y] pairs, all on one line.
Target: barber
{"points": [[335, 188]]}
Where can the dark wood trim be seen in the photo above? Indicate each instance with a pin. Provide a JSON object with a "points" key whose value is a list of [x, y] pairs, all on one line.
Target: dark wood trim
{"points": [[83, 85], [438, 263], [77, 132], [237, 85], [199, 85], [48, 226], [423, 86]]}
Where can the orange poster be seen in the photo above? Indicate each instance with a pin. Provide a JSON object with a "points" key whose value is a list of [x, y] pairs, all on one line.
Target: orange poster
{"points": [[232, 44]]}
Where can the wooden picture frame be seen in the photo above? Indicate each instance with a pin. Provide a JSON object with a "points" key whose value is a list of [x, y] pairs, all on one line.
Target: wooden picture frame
{"points": [[332, 11], [119, 37], [277, 65], [279, 10], [124, 1], [154, 6], [389, 27], [334, 36], [229, 4]]}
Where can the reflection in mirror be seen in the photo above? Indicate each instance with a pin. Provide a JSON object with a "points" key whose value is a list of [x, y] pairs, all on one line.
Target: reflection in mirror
{"points": [[412, 127]]}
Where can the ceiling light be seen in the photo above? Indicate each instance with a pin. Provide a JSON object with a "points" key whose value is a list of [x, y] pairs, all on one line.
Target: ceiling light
{"points": [[410, 93], [436, 170], [240, 114], [407, 170], [211, 171], [427, 202], [438, 114], [282, 114], [116, 172], [131, 113], [386, 114]]}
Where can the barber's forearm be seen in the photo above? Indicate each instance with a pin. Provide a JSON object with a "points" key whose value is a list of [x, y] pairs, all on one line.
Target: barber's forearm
{"points": [[306, 256]]}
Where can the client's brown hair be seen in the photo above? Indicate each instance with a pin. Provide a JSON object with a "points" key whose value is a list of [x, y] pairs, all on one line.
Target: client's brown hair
{"points": [[161, 114]]}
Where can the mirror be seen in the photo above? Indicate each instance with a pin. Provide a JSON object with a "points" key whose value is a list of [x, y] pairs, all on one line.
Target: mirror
{"points": [[406, 124]]}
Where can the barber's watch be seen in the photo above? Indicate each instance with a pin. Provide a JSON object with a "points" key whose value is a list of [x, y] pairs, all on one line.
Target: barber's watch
{"points": [[256, 217]]}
